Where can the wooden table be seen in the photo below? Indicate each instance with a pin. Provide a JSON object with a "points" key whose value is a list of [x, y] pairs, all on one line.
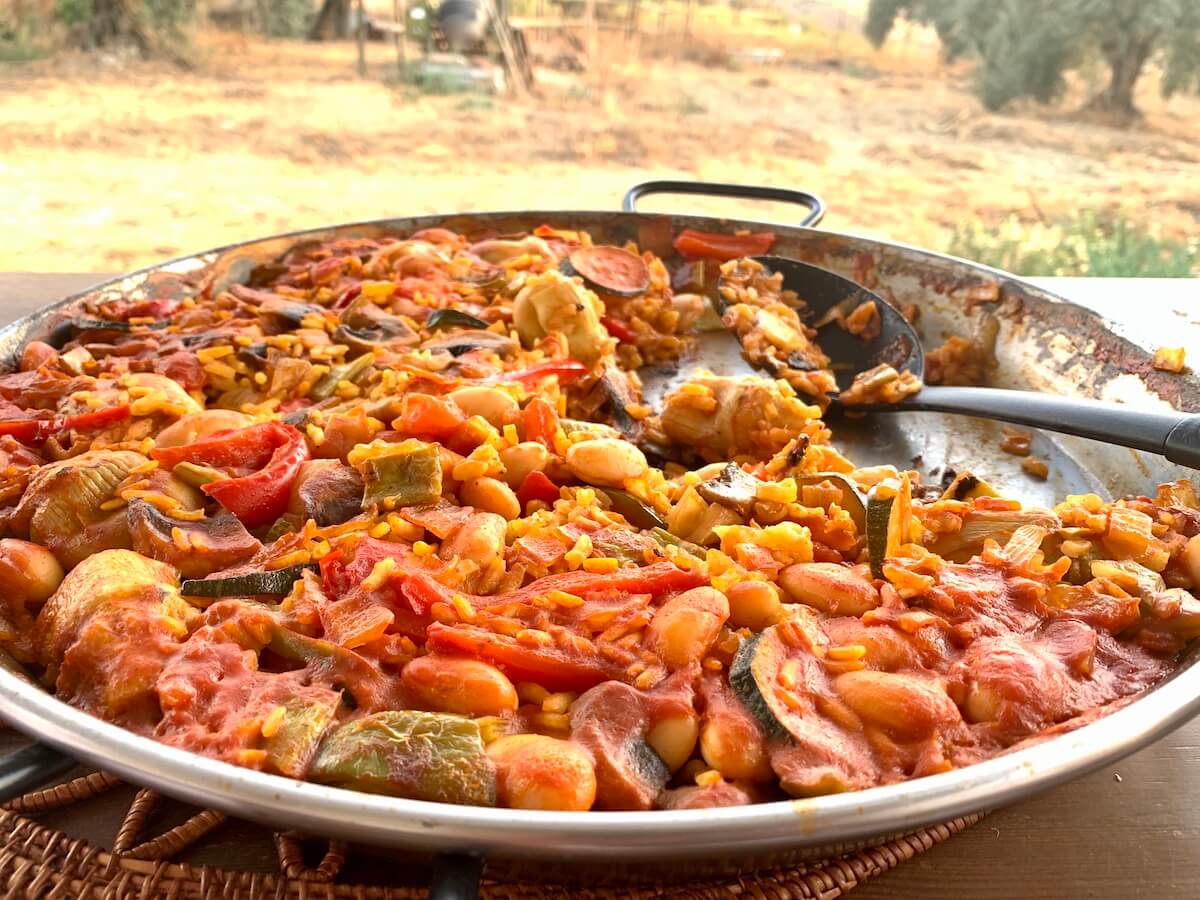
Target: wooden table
{"points": [[1128, 830]]}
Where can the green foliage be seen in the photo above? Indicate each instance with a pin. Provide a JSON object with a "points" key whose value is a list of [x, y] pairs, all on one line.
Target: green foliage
{"points": [[74, 13], [22, 35], [285, 18], [1025, 47], [1092, 244]]}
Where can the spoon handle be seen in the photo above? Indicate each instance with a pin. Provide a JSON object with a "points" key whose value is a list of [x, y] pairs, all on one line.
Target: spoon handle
{"points": [[1173, 435]]}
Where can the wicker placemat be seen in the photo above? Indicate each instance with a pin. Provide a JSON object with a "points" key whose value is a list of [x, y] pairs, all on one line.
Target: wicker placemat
{"points": [[39, 861]]}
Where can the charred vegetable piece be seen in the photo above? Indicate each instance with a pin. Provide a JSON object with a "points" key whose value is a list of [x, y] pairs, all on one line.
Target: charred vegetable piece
{"points": [[636, 512], [611, 721], [454, 318], [852, 499], [889, 512], [329, 382], [665, 538], [405, 753], [465, 341], [210, 544], [279, 315], [275, 582], [294, 742], [326, 491], [609, 270], [66, 331], [407, 474], [36, 431], [752, 675], [733, 488]]}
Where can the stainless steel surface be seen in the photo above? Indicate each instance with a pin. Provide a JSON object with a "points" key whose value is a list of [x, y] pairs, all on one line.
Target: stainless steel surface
{"points": [[1045, 343]]}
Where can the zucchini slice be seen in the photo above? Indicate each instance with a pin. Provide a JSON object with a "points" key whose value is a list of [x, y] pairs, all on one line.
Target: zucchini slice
{"points": [[889, 515], [754, 671], [276, 582]]}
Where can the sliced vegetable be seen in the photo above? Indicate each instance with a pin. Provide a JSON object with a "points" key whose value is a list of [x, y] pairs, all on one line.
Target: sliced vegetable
{"points": [[609, 270], [889, 516], [618, 329], [196, 548], [329, 382], [276, 582], [565, 370], [404, 474], [723, 247], [665, 538], [733, 488], [611, 721], [405, 753], [454, 318], [537, 486], [327, 491], [295, 738], [636, 512], [66, 331], [852, 499], [757, 662], [966, 486], [36, 431], [540, 422], [263, 461], [429, 417], [465, 341]]}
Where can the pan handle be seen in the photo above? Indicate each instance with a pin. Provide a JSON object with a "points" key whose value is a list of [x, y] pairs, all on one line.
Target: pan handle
{"points": [[29, 767], [814, 204]]}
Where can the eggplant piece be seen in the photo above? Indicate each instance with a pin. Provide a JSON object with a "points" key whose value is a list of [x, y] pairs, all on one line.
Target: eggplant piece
{"points": [[66, 331], [212, 543], [611, 721], [636, 512], [326, 491], [364, 327], [406, 753], [733, 489], [404, 474], [465, 341], [452, 318], [609, 270], [279, 315], [273, 582]]}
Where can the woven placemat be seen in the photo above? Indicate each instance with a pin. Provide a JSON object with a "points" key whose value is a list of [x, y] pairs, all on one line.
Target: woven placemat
{"points": [[38, 861]]}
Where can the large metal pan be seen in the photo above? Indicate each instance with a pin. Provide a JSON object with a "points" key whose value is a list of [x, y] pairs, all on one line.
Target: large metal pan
{"points": [[1045, 343]]}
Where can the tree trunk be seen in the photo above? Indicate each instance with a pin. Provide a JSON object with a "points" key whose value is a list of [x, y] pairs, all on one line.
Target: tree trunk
{"points": [[1125, 63], [332, 22]]}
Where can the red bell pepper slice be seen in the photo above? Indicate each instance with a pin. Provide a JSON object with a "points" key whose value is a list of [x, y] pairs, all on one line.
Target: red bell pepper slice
{"points": [[36, 431], [723, 247], [537, 486], [421, 591], [265, 460], [540, 421], [566, 370], [618, 329], [554, 668]]}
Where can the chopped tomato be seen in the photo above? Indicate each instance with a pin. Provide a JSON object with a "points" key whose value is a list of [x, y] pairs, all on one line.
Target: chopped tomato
{"points": [[566, 370], [35, 431], [537, 486], [429, 417], [540, 423], [618, 329], [264, 460], [707, 245], [340, 575]]}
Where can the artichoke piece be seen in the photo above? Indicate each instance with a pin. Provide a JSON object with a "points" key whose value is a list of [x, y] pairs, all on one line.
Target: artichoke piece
{"points": [[405, 753], [291, 746], [406, 474], [107, 632]]}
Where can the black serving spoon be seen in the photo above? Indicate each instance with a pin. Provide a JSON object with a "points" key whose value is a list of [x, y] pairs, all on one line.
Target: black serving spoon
{"points": [[1173, 435]]}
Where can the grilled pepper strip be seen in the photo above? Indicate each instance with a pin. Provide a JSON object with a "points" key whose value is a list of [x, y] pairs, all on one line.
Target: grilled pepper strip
{"points": [[723, 247], [36, 431], [264, 460]]}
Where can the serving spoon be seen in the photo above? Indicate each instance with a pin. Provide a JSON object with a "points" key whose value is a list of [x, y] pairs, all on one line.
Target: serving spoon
{"points": [[1171, 434]]}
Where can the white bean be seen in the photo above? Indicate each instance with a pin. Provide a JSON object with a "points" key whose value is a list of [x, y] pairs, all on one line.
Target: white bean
{"points": [[521, 459], [607, 461], [493, 404], [490, 495]]}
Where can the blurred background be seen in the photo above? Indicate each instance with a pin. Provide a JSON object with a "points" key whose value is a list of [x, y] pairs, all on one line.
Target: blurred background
{"points": [[1043, 136]]}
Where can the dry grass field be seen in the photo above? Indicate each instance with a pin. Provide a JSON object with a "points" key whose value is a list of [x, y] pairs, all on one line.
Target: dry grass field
{"points": [[109, 163]]}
